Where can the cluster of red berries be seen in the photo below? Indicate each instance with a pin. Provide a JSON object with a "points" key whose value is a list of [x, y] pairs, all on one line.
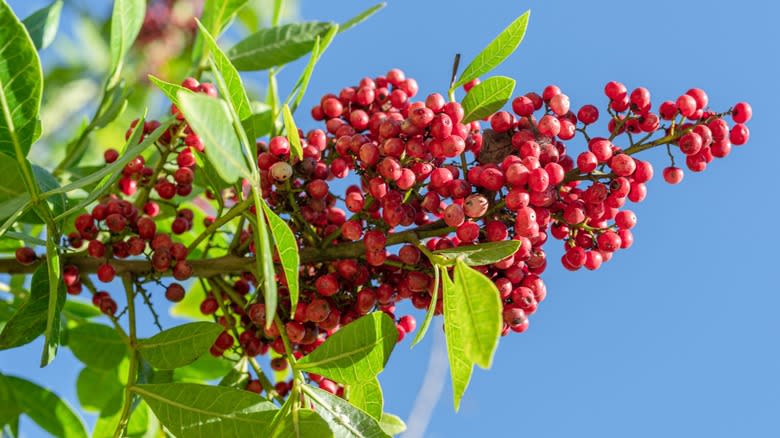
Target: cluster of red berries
{"points": [[418, 164]]}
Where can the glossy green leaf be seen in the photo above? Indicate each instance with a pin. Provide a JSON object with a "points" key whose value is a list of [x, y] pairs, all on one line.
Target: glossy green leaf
{"points": [[210, 119], [216, 15], [179, 346], [261, 122], [481, 254], [480, 302], [142, 423], [205, 368], [171, 91], [29, 321], [48, 411], [497, 51], [303, 423], [264, 263], [188, 409], [21, 85], [361, 17], [431, 308], [344, 419], [287, 246], [81, 309], [234, 92], [126, 21], [357, 352], [367, 396], [457, 337], [296, 150], [13, 190], [391, 424], [238, 376], [95, 388], [96, 345], [9, 408], [487, 97], [51, 333], [113, 105], [43, 23], [275, 46]]}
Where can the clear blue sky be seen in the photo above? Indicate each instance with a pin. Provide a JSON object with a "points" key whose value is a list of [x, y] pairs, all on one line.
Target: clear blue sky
{"points": [[678, 335]]}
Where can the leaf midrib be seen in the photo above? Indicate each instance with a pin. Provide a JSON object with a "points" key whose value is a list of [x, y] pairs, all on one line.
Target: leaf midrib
{"points": [[176, 404]]}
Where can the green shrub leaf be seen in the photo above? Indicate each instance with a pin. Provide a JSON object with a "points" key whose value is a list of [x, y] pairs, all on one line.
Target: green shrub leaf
{"points": [[497, 51], [304, 423], [210, 119], [487, 97], [480, 303], [179, 346], [188, 409], [292, 133], [482, 254], [357, 352], [361, 17], [96, 345], [95, 388], [457, 337], [43, 23], [287, 246], [126, 20], [344, 419], [275, 46], [431, 308], [367, 396], [46, 409], [216, 15], [391, 424], [29, 321]]}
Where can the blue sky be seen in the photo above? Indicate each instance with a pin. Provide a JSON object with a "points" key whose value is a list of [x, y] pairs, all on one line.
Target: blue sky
{"points": [[676, 336]]}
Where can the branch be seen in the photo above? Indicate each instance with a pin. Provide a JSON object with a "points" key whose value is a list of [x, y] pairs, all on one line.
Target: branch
{"points": [[230, 263]]}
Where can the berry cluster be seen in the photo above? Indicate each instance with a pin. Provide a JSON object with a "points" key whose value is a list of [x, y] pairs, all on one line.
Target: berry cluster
{"points": [[418, 167]]}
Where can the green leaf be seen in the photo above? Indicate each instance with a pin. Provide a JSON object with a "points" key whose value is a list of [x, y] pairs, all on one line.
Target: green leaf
{"points": [[264, 263], [391, 424], [43, 23], [29, 321], [96, 345], [456, 337], [275, 46], [113, 105], [205, 368], [81, 309], [487, 97], [302, 424], [497, 51], [13, 191], [482, 254], [210, 119], [179, 346], [171, 91], [292, 133], [142, 423], [431, 308], [21, 85], [344, 419], [56, 297], [235, 93], [46, 409], [367, 396], [95, 388], [238, 376], [363, 16], [9, 408], [480, 301], [261, 121], [357, 352], [287, 246], [188, 409], [216, 15], [126, 21]]}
